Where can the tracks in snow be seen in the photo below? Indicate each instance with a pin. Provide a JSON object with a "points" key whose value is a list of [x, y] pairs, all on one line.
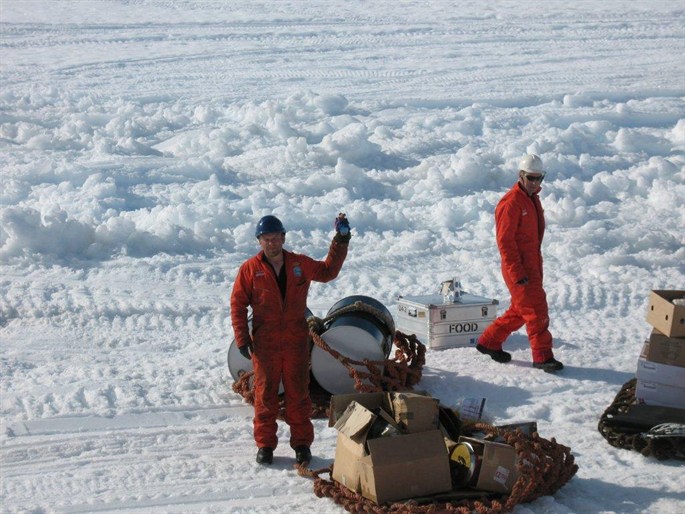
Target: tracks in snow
{"points": [[159, 418], [243, 57], [131, 462]]}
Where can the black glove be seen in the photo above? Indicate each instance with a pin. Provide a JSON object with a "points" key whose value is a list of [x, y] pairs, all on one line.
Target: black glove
{"points": [[523, 281], [246, 351], [342, 229]]}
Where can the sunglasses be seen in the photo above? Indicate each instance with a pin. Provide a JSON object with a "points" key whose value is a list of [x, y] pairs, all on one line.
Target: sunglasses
{"points": [[533, 178]]}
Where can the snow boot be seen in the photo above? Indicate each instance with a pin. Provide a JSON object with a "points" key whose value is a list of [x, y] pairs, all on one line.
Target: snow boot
{"points": [[550, 365], [265, 455], [302, 454], [496, 355]]}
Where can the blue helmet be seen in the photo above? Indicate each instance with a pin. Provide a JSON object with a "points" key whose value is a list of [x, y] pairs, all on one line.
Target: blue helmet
{"points": [[269, 225]]}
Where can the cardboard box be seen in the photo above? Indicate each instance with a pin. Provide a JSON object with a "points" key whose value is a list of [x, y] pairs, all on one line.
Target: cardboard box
{"points": [[355, 422], [653, 393], [346, 467], [385, 469], [664, 315], [649, 371], [353, 426], [440, 324], [664, 350], [405, 466], [498, 472], [415, 412], [340, 402]]}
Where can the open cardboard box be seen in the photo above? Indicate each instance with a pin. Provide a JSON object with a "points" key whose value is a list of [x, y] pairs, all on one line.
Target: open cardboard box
{"points": [[498, 472], [385, 469], [664, 315], [412, 411], [415, 412], [339, 403]]}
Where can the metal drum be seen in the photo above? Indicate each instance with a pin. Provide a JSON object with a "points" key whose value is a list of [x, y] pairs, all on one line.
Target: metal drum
{"points": [[239, 365], [358, 335]]}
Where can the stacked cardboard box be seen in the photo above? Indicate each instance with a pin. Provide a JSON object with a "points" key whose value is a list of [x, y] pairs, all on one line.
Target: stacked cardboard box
{"points": [[389, 445], [661, 366]]}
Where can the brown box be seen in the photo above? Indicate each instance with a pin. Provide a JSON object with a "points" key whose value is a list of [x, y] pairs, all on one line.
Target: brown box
{"points": [[415, 412], [664, 350], [355, 422], [498, 472], [405, 466], [340, 402], [346, 467], [664, 315], [385, 469]]}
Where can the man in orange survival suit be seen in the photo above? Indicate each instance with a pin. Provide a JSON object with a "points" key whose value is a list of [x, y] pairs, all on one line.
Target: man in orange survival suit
{"points": [[520, 226], [275, 283]]}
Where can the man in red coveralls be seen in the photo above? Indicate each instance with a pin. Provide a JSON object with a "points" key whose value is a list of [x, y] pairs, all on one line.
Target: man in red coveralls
{"points": [[275, 283], [520, 226]]}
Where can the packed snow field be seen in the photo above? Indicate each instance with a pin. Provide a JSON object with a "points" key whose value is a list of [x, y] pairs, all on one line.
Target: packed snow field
{"points": [[141, 141]]}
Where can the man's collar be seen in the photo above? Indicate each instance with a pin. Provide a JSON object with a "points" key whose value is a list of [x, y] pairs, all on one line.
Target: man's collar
{"points": [[264, 258]]}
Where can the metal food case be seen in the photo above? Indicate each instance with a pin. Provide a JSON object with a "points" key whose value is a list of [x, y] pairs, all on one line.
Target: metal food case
{"points": [[450, 319]]}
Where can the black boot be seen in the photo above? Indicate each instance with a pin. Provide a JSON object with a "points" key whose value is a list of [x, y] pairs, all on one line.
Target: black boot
{"points": [[496, 355], [550, 365], [302, 454], [265, 455]]}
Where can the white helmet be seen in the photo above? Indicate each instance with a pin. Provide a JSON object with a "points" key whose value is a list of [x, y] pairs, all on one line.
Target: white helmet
{"points": [[531, 163]]}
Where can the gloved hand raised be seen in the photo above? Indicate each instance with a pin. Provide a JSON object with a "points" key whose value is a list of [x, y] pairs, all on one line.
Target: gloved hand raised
{"points": [[247, 350], [342, 229]]}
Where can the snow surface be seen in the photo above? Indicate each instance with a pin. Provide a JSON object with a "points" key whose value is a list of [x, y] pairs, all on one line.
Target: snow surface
{"points": [[141, 140]]}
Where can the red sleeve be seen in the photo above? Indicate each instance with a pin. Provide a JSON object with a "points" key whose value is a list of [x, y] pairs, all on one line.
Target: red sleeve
{"points": [[507, 219], [329, 268], [240, 299]]}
